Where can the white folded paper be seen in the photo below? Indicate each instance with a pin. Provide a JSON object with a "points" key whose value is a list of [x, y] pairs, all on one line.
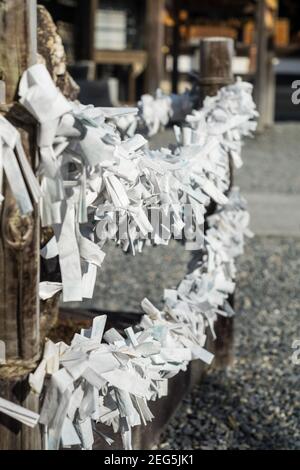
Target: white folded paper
{"points": [[99, 181], [21, 414]]}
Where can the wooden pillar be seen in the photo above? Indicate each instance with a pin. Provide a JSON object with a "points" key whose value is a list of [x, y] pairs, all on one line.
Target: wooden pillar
{"points": [[155, 41], [265, 86], [19, 260], [85, 29], [19, 235], [271, 78], [216, 56], [176, 45], [261, 61]]}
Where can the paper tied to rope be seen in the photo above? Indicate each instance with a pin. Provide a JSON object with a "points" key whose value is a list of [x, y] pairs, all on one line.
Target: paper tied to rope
{"points": [[104, 375], [88, 169], [156, 111], [19, 413], [166, 341], [39, 95], [111, 382], [107, 377]]}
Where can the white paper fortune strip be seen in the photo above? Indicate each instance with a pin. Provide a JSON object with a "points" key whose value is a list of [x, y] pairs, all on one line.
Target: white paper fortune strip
{"points": [[12, 161], [21, 414], [94, 167]]}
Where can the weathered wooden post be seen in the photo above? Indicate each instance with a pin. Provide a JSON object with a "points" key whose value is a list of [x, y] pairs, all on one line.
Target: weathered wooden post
{"points": [[155, 42], [176, 45], [265, 80], [19, 235], [261, 77], [216, 54]]}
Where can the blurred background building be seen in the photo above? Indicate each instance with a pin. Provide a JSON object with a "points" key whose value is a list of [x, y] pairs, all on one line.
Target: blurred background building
{"points": [[119, 49]]}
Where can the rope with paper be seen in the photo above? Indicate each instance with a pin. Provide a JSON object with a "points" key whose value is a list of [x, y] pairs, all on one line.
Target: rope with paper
{"points": [[89, 174]]}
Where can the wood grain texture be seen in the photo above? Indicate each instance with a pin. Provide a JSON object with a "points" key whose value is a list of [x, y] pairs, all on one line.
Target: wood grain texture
{"points": [[19, 264], [19, 259], [155, 41], [14, 435], [216, 56], [19, 241], [14, 49]]}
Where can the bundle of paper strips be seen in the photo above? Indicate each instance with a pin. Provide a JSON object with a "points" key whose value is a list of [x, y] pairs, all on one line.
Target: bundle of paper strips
{"points": [[154, 113], [90, 176], [97, 186]]}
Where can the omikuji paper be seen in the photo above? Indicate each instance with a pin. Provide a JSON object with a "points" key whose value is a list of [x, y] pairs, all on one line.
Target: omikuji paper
{"points": [[100, 180]]}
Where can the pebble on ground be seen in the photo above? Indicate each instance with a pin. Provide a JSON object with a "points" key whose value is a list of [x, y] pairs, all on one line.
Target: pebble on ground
{"points": [[256, 403]]}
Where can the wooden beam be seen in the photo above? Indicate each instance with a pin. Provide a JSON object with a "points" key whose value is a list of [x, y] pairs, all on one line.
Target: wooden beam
{"points": [[155, 40]]}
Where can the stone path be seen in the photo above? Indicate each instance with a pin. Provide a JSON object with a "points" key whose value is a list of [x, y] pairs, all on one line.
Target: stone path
{"points": [[270, 180]]}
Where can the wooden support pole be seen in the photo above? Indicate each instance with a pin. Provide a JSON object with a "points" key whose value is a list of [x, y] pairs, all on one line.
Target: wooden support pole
{"points": [[19, 238], [261, 61], [175, 46], [14, 387], [19, 235], [155, 41], [265, 83], [15, 51], [271, 78], [85, 29], [216, 56]]}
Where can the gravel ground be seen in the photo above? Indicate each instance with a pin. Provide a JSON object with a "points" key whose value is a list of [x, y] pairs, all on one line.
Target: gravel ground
{"points": [[256, 403], [124, 280]]}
